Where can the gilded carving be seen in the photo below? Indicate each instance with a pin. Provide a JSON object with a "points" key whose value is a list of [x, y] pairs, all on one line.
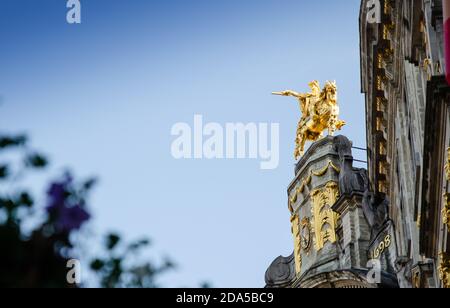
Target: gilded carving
{"points": [[382, 187], [291, 205], [444, 269], [382, 149], [305, 234], [447, 165], [323, 171], [427, 66], [446, 210], [446, 204], [379, 83], [416, 281], [303, 183], [297, 243], [324, 218], [320, 111]]}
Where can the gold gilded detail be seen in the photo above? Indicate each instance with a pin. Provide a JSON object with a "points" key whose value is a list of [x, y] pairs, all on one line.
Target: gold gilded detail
{"points": [[447, 166], [320, 111], [446, 205], [416, 280], [380, 104], [382, 246], [444, 269], [297, 243], [382, 187], [319, 173], [387, 7], [324, 218], [324, 170], [446, 210], [382, 149], [379, 83], [380, 60], [427, 67], [305, 234]]}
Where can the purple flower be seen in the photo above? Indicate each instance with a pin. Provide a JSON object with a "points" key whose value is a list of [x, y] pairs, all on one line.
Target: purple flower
{"points": [[56, 196], [58, 193], [71, 218], [66, 215]]}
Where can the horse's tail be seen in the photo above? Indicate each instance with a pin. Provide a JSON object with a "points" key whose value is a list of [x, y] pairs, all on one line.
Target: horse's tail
{"points": [[340, 124]]}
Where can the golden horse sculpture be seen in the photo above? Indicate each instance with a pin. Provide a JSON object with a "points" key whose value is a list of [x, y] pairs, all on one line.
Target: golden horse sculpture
{"points": [[320, 111]]}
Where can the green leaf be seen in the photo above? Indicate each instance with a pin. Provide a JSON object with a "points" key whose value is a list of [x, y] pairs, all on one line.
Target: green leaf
{"points": [[139, 244], [4, 171], [112, 240], [6, 142], [97, 264], [206, 285], [36, 161], [168, 264], [89, 183], [25, 199]]}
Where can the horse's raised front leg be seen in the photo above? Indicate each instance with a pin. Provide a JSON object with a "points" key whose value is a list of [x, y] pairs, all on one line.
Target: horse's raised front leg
{"points": [[300, 145], [331, 127], [297, 147]]}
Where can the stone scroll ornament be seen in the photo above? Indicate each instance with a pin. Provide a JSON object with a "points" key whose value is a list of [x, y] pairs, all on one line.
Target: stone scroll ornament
{"points": [[281, 272], [446, 7]]}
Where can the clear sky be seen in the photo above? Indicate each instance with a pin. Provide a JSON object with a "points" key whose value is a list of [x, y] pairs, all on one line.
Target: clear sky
{"points": [[101, 97]]}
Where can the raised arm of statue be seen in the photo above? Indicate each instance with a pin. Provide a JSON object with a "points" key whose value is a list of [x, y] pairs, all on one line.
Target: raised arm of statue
{"points": [[303, 100], [289, 93]]}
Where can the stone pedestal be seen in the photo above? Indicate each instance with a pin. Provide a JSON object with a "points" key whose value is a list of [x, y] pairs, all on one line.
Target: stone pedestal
{"points": [[330, 232]]}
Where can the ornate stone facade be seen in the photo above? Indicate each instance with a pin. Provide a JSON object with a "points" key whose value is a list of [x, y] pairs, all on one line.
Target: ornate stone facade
{"points": [[396, 214], [330, 231], [408, 131]]}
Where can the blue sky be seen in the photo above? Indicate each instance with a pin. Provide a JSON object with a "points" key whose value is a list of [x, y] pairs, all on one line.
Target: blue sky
{"points": [[101, 97]]}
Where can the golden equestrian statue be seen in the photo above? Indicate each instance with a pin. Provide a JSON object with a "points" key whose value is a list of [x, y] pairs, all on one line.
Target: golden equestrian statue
{"points": [[320, 111]]}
